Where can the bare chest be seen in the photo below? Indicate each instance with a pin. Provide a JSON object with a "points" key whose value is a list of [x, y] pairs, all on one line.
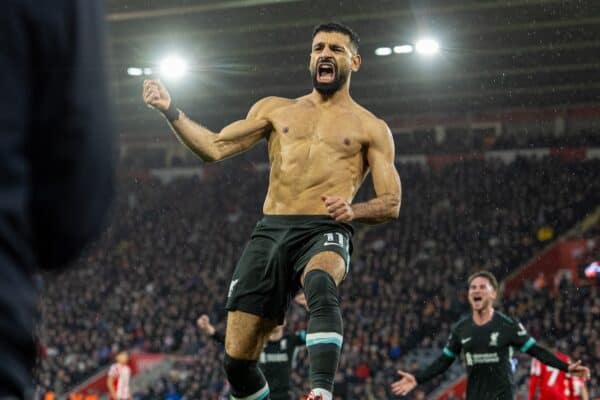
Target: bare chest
{"points": [[297, 128]]}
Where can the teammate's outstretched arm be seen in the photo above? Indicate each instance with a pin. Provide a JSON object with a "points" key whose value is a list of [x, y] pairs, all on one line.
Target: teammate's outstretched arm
{"points": [[209, 146], [408, 381], [521, 340], [545, 356], [388, 189]]}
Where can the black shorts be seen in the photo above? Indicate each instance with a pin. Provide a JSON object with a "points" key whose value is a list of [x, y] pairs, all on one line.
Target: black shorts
{"points": [[268, 273]]}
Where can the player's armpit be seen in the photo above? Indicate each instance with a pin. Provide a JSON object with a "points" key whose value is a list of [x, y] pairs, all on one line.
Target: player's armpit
{"points": [[386, 181]]}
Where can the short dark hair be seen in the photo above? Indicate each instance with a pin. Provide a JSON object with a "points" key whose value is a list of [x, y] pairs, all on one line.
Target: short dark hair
{"points": [[487, 275], [341, 28]]}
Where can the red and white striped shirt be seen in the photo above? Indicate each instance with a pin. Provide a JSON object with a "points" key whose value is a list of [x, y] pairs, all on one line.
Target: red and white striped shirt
{"points": [[122, 373]]}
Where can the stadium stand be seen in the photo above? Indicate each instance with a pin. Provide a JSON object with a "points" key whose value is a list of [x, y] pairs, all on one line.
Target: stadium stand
{"points": [[171, 248]]}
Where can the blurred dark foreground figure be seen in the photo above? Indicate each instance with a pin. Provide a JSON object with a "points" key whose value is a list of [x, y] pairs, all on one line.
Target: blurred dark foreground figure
{"points": [[56, 169]]}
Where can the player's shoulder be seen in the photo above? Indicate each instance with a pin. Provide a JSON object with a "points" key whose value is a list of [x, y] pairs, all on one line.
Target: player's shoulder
{"points": [[462, 322], [506, 319], [270, 103], [371, 121], [377, 129]]}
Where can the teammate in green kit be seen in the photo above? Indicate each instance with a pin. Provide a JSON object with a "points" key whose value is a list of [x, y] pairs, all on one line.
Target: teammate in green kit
{"points": [[486, 340], [277, 359]]}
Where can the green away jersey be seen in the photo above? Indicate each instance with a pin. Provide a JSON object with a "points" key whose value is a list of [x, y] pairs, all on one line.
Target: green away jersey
{"points": [[487, 352]]}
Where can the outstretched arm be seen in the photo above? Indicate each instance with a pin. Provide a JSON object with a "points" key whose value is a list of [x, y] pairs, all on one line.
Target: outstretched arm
{"points": [[209, 146], [408, 382], [388, 190], [546, 357], [527, 344]]}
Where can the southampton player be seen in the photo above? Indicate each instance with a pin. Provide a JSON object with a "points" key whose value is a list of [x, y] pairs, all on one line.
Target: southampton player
{"points": [[118, 378], [275, 361], [486, 339], [554, 384]]}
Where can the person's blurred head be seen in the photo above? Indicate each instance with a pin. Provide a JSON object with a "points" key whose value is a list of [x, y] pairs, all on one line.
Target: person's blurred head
{"points": [[122, 357], [483, 290]]}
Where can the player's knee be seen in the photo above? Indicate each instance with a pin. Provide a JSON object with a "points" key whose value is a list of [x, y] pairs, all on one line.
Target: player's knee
{"points": [[320, 290], [235, 367], [244, 376]]}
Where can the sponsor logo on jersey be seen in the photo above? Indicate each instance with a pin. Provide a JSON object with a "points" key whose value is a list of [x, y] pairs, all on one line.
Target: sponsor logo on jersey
{"points": [[465, 340], [482, 358]]}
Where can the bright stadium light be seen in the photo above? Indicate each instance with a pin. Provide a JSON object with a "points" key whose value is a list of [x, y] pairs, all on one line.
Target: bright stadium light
{"points": [[427, 46], [148, 71], [383, 51], [134, 71], [403, 49], [173, 67]]}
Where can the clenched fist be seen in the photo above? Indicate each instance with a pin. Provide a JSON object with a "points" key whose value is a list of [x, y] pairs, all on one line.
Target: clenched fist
{"points": [[338, 208], [205, 326], [156, 95]]}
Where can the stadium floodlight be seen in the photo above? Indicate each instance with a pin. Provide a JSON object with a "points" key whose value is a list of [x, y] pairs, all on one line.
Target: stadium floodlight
{"points": [[148, 71], [427, 46], [173, 67], [134, 71], [383, 51], [403, 49]]}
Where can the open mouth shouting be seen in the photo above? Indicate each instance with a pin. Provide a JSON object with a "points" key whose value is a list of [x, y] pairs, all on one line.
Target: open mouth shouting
{"points": [[326, 71], [477, 300]]}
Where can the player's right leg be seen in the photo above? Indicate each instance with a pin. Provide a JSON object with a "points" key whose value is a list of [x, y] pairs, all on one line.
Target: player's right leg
{"points": [[244, 340], [256, 303]]}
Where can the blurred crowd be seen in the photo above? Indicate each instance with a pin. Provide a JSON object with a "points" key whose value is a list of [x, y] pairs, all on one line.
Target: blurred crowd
{"points": [[462, 140], [171, 248]]}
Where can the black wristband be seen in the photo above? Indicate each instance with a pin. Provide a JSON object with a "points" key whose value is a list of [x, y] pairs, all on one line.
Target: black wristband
{"points": [[172, 113]]}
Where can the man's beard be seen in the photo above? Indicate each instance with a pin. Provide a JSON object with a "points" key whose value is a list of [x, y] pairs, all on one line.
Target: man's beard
{"points": [[329, 88]]}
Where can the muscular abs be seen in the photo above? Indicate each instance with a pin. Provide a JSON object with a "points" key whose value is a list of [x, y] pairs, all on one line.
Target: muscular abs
{"points": [[313, 152]]}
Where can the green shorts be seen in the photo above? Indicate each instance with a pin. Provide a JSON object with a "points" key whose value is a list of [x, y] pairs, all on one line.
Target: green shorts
{"points": [[268, 273]]}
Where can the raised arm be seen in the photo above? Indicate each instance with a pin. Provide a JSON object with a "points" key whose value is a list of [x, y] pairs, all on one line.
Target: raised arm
{"points": [[210, 146], [209, 330]]}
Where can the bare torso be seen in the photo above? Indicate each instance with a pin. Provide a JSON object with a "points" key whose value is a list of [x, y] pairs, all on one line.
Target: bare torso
{"points": [[314, 150]]}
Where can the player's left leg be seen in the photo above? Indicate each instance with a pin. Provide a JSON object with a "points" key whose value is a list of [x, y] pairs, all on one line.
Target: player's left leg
{"points": [[244, 340], [324, 338]]}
